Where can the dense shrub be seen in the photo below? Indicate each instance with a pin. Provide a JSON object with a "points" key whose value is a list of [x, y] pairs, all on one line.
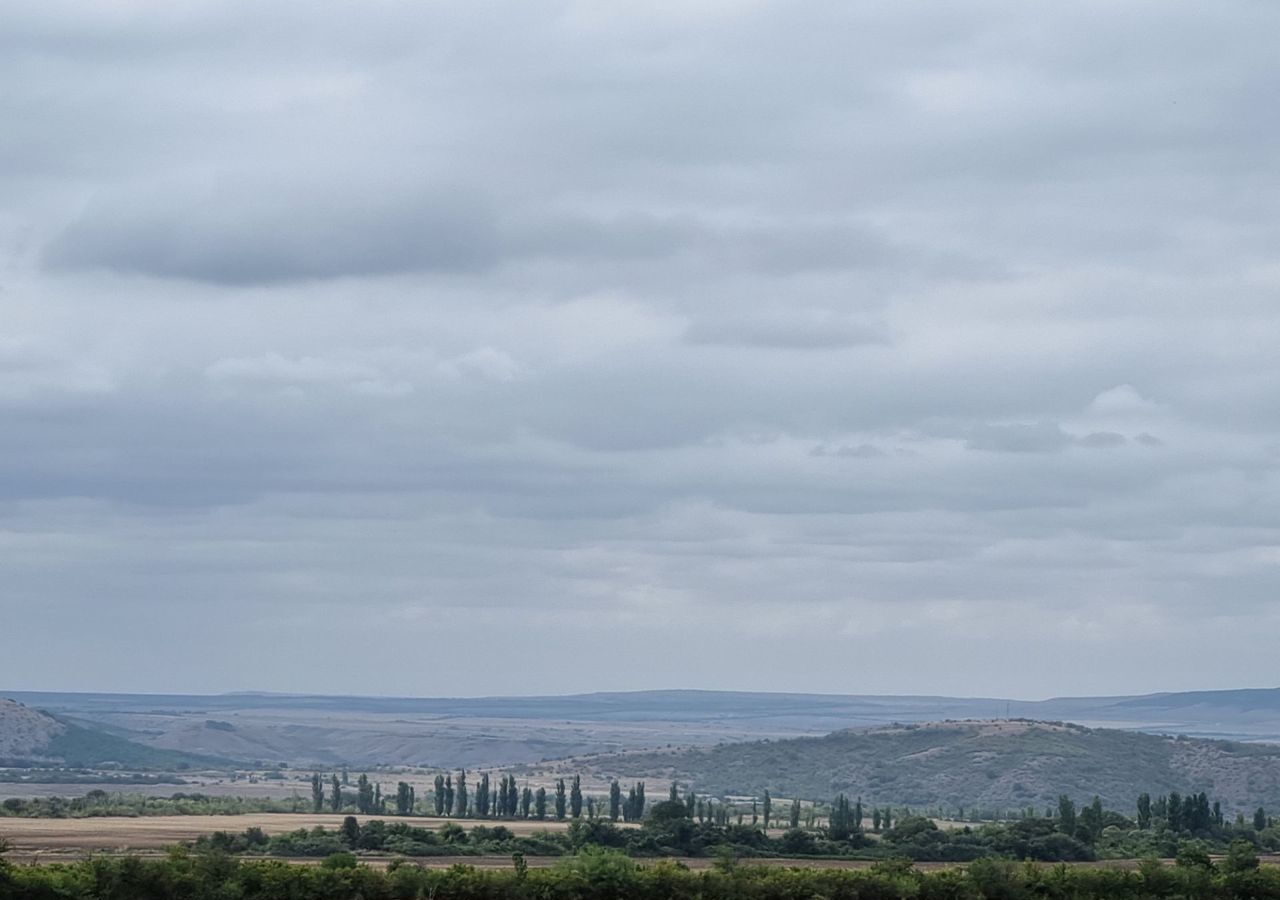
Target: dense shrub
{"points": [[599, 874]]}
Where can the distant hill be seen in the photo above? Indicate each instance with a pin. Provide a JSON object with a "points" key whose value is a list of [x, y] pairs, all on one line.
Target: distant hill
{"points": [[483, 732], [990, 764], [32, 738]]}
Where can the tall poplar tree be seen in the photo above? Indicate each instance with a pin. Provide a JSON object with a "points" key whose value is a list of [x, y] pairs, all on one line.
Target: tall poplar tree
{"points": [[575, 798], [560, 800], [1066, 815], [482, 796], [364, 794], [404, 799], [615, 800]]}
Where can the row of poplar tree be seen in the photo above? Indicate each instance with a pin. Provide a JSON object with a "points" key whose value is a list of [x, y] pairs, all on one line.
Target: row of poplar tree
{"points": [[505, 799], [484, 799]]}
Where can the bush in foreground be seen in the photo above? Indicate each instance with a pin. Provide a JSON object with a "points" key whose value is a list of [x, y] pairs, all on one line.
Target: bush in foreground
{"points": [[599, 874]]}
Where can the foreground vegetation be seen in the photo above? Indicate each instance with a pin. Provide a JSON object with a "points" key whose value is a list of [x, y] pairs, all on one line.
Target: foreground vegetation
{"points": [[671, 830], [597, 874]]}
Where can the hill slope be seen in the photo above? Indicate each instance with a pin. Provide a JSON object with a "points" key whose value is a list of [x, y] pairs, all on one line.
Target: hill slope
{"points": [[991, 764], [31, 738], [326, 731]]}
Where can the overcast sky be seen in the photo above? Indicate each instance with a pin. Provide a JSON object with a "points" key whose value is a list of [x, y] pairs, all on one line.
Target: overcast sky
{"points": [[511, 347]]}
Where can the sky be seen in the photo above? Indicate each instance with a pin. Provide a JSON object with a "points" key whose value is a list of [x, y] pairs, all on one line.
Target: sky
{"points": [[508, 347]]}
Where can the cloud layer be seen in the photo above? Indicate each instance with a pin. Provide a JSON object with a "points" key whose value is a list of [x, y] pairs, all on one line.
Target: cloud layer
{"points": [[815, 346]]}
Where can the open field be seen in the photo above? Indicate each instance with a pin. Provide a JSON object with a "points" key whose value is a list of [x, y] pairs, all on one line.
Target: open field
{"points": [[155, 832]]}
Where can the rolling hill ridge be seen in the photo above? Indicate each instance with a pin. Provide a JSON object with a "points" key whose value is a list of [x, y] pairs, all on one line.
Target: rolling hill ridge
{"points": [[1000, 765]]}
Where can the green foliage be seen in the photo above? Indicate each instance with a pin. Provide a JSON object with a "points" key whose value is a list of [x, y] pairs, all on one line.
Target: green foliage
{"points": [[596, 874], [1241, 856], [1194, 855], [575, 798]]}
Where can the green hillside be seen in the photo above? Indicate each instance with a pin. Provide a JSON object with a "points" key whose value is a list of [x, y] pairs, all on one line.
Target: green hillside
{"points": [[33, 738], [994, 765]]}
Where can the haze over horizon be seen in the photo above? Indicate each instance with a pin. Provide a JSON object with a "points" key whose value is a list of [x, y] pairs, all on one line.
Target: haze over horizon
{"points": [[427, 350]]}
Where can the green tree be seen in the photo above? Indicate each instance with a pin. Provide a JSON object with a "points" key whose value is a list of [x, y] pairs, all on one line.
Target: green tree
{"points": [[575, 798], [540, 804], [404, 799], [840, 826], [335, 794], [461, 802], [1090, 821], [615, 800], [317, 793], [794, 822], [1259, 819], [364, 795], [438, 795], [560, 800], [1144, 811], [526, 800], [1241, 856], [1066, 815], [482, 796], [350, 831], [766, 808]]}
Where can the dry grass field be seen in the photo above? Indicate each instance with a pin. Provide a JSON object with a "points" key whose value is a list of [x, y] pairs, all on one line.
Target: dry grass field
{"points": [[156, 832]]}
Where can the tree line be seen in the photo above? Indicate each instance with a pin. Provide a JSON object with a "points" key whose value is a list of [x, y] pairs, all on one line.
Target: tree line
{"points": [[484, 799]]}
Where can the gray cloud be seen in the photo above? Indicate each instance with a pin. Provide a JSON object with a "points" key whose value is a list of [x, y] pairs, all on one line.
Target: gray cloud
{"points": [[719, 328], [269, 230]]}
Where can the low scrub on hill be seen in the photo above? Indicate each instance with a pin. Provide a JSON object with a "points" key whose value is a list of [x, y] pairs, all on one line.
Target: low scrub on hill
{"points": [[1006, 765]]}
